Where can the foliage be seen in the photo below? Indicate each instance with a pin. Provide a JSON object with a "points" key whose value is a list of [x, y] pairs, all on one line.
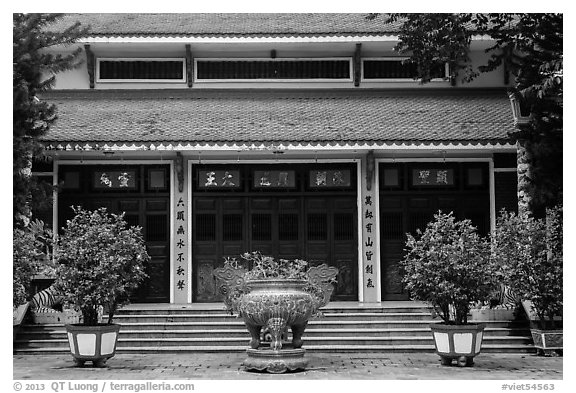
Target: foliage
{"points": [[266, 267], [530, 47], [33, 72], [434, 39], [32, 255], [530, 252], [449, 266], [101, 261]]}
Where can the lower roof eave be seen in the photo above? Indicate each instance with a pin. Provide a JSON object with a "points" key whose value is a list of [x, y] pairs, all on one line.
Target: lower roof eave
{"points": [[277, 146]]}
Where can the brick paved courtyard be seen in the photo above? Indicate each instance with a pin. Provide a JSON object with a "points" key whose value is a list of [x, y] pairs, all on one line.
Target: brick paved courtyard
{"points": [[322, 366]]}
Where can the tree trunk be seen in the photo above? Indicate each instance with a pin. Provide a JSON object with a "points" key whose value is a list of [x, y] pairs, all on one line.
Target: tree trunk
{"points": [[524, 168]]}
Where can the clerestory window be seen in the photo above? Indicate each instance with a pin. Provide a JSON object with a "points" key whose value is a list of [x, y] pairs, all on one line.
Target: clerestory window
{"points": [[325, 69], [141, 70], [396, 69]]}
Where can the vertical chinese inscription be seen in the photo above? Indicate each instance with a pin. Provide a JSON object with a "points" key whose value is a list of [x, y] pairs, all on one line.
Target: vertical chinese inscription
{"points": [[180, 243], [369, 243], [181, 266]]}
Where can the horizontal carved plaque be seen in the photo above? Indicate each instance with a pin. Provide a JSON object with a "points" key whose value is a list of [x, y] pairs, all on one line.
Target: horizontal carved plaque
{"points": [[329, 178], [275, 179], [115, 180], [432, 177], [219, 179]]}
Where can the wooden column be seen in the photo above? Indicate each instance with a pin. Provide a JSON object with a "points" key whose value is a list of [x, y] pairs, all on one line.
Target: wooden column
{"points": [[357, 65], [90, 64], [189, 68]]}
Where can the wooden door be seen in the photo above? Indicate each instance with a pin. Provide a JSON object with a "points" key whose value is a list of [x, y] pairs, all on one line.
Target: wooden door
{"points": [[405, 210], [144, 205], [320, 230], [331, 238]]}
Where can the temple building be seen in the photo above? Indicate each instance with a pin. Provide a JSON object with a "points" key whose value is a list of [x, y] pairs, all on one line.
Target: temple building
{"points": [[297, 135]]}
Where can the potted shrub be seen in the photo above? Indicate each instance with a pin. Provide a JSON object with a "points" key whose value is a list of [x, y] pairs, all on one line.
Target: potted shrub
{"points": [[101, 261], [530, 251], [273, 295], [449, 266]]}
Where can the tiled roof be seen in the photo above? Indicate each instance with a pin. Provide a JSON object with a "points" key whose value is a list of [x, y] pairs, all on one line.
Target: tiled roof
{"points": [[279, 116], [229, 25]]}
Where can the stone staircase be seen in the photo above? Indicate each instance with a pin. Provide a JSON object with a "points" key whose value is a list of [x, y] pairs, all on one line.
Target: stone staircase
{"points": [[343, 327]]}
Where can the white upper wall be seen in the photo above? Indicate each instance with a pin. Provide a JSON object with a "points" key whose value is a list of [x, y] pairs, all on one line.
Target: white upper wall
{"points": [[371, 48]]}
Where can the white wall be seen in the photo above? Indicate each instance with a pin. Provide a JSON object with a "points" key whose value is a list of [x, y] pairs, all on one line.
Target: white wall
{"points": [[78, 78]]}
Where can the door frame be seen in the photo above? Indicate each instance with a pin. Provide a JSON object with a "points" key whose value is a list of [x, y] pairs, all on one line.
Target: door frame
{"points": [[231, 161], [60, 162], [491, 192]]}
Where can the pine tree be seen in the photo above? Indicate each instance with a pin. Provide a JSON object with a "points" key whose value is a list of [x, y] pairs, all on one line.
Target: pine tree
{"points": [[33, 72]]}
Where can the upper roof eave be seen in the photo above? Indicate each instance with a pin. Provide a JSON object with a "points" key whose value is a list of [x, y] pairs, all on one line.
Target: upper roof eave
{"points": [[237, 26]]}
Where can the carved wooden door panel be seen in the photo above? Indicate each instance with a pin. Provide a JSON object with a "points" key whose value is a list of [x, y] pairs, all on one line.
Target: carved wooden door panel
{"points": [[392, 240], [206, 248], [263, 225], [321, 230], [344, 238], [276, 226], [331, 238], [155, 224], [290, 223]]}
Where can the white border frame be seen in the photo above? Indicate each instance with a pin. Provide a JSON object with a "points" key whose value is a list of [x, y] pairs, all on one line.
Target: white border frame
{"points": [[158, 59], [445, 79], [59, 162], [357, 161], [277, 59]]}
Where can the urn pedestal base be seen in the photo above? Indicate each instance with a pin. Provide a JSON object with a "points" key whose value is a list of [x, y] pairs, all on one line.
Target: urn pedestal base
{"points": [[275, 362]]}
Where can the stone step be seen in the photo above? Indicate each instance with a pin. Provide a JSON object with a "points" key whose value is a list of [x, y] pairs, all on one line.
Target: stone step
{"points": [[319, 323], [208, 308], [241, 331], [399, 326], [317, 341], [220, 309], [194, 317], [139, 341]]}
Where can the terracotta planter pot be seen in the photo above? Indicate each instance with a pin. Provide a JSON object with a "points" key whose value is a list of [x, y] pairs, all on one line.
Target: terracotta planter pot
{"points": [[94, 343], [548, 342], [460, 342], [277, 304]]}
